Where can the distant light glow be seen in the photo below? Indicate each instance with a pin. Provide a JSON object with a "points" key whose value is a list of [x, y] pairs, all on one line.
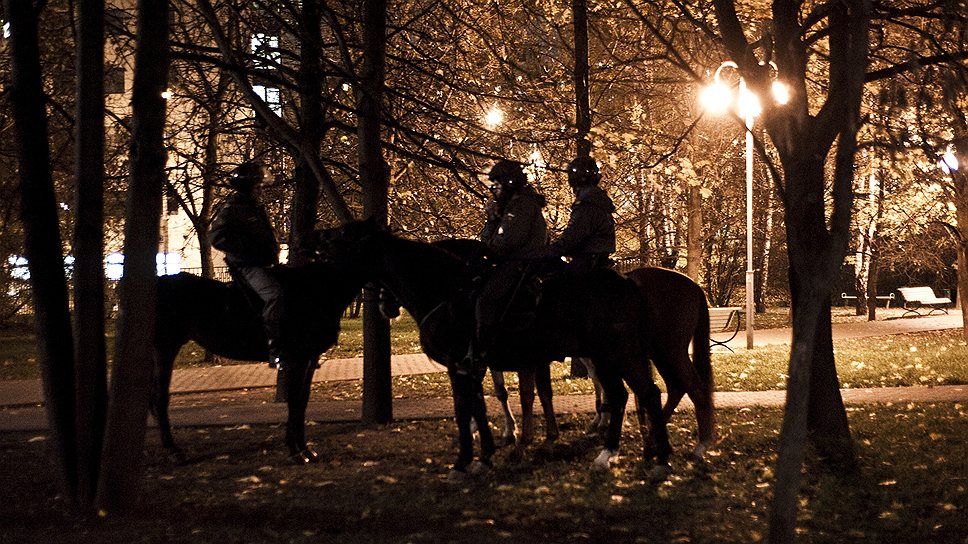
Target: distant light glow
{"points": [[717, 98], [166, 95], [949, 162], [493, 117], [781, 93], [749, 104]]}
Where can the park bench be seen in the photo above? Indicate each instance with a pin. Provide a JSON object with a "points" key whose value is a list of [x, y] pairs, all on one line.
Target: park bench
{"points": [[852, 298], [719, 321], [916, 298]]}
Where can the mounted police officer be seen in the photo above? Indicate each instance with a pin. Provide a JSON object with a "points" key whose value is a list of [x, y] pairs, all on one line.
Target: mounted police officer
{"points": [[589, 238], [515, 234], [243, 232]]}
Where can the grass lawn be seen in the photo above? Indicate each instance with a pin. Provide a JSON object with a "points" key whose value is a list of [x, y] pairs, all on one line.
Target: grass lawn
{"points": [[386, 485]]}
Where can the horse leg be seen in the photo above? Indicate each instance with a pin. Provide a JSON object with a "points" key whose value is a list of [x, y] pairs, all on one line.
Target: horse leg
{"points": [[160, 399], [501, 392], [700, 393], [462, 389], [542, 379], [526, 377], [618, 397], [479, 414], [656, 438], [297, 397], [684, 379], [600, 421]]}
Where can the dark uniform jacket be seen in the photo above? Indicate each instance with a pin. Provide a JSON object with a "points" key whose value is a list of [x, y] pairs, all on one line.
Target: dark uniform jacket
{"points": [[242, 231], [591, 228], [517, 230]]}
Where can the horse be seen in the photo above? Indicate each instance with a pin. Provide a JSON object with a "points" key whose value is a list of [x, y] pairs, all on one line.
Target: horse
{"points": [[222, 319], [668, 337], [596, 314]]}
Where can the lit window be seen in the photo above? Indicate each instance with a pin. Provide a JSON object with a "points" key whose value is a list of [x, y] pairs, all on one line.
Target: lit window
{"points": [[114, 266], [165, 264], [266, 51], [168, 263], [271, 97], [18, 267]]}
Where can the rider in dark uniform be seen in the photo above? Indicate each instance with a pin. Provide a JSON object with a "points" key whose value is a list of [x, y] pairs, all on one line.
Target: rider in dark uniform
{"points": [[589, 237], [515, 233], [242, 231]]}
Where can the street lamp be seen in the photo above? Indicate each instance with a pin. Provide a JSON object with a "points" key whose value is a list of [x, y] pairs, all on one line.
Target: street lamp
{"points": [[717, 98]]}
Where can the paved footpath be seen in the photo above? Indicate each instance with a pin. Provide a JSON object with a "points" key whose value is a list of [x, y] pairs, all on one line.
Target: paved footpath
{"points": [[21, 410]]}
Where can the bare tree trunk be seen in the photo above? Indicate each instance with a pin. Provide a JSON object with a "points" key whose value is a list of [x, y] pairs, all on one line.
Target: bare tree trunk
{"points": [[38, 209], [583, 115], [694, 238], [377, 395], [763, 279], [310, 132], [121, 466], [960, 179], [873, 267], [89, 350]]}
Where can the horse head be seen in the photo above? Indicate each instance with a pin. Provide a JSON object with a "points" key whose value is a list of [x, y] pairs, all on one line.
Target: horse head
{"points": [[352, 242]]}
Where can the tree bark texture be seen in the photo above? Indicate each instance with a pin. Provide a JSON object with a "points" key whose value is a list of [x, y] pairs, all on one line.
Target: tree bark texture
{"points": [[122, 460], [377, 395], [310, 133], [89, 350], [583, 115], [804, 141], [694, 238], [38, 210]]}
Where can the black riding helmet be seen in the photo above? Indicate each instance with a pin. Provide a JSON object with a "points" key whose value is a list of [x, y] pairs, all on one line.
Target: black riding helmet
{"points": [[509, 174], [246, 177], [583, 171]]}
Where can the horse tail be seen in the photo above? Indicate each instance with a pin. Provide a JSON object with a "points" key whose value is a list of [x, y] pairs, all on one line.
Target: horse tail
{"points": [[701, 349]]}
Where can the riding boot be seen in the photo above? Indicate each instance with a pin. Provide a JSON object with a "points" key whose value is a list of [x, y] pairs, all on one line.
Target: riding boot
{"points": [[475, 362]]}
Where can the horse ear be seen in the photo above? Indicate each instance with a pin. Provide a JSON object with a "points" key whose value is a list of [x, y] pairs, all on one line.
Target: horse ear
{"points": [[374, 223]]}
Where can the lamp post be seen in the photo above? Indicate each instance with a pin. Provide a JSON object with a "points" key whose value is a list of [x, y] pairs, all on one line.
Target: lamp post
{"points": [[718, 97]]}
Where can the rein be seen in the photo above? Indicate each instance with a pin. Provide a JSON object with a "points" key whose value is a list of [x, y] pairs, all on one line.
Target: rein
{"points": [[430, 313]]}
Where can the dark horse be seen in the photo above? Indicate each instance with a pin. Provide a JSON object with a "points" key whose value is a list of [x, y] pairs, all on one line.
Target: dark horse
{"points": [[669, 334], [221, 318], [598, 315], [677, 314]]}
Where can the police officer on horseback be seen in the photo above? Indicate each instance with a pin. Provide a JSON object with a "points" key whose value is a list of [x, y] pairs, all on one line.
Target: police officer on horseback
{"points": [[589, 238], [242, 230], [515, 233]]}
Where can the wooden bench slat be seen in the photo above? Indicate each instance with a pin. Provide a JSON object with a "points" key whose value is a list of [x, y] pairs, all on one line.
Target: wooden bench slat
{"points": [[720, 318], [916, 297]]}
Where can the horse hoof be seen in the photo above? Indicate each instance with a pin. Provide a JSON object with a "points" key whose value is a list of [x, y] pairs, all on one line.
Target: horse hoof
{"points": [[699, 454], [178, 458], [479, 469], [604, 460], [660, 473], [310, 455], [456, 476], [304, 457]]}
